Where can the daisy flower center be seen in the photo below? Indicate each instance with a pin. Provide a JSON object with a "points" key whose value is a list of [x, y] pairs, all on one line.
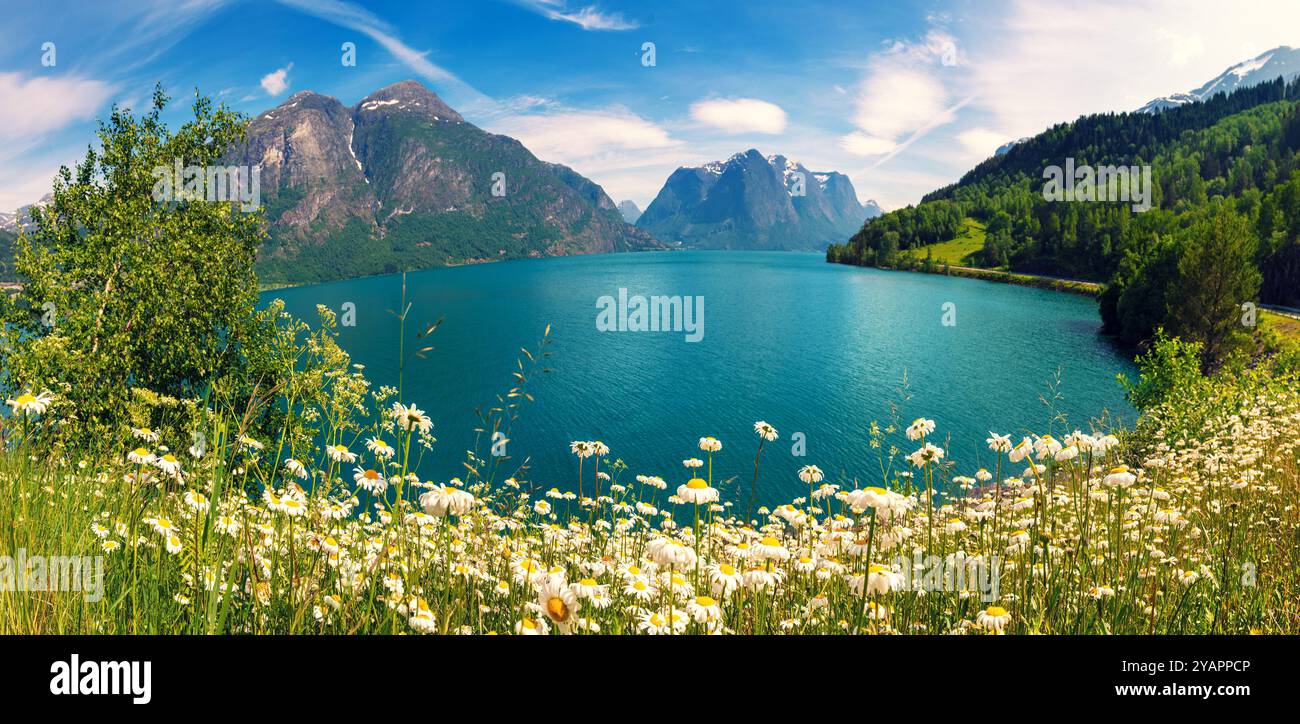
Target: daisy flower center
{"points": [[557, 608]]}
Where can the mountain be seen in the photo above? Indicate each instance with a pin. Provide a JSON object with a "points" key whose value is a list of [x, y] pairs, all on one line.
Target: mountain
{"points": [[1164, 103], [751, 201], [402, 181], [21, 217], [1222, 147], [10, 224], [1282, 61], [1002, 150], [1218, 179], [629, 211]]}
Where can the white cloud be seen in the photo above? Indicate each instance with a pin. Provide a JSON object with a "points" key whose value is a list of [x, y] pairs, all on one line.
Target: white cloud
{"points": [[32, 107], [897, 187], [628, 155], [363, 21], [901, 95], [981, 142], [277, 82], [862, 144], [26, 181], [524, 103], [942, 117], [589, 17], [571, 134], [1181, 48], [740, 115], [141, 31], [896, 100]]}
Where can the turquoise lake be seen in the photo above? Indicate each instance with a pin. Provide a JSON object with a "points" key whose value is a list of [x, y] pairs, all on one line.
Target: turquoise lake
{"points": [[813, 348]]}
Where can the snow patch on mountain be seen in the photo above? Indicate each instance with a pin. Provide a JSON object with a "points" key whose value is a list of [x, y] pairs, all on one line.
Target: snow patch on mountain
{"points": [[1282, 61]]}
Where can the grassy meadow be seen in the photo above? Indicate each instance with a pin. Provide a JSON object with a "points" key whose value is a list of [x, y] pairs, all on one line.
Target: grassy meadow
{"points": [[1185, 524], [957, 251]]}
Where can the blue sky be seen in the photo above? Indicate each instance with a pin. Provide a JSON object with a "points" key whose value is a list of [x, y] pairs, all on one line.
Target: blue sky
{"points": [[902, 96]]}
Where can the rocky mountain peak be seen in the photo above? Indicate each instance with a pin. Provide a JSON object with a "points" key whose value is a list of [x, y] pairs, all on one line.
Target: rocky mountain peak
{"points": [[757, 202], [407, 96], [363, 190]]}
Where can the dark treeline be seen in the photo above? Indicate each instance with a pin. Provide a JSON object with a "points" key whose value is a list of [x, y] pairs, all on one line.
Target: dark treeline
{"points": [[1224, 216]]}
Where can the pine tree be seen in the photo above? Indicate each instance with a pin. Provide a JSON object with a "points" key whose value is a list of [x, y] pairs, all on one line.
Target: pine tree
{"points": [[1216, 276]]}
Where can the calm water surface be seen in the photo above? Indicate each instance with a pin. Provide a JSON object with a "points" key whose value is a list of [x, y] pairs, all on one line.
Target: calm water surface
{"points": [[813, 348]]}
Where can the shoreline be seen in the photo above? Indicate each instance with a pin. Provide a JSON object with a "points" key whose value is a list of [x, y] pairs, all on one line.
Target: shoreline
{"points": [[1284, 320], [264, 287], [1056, 284]]}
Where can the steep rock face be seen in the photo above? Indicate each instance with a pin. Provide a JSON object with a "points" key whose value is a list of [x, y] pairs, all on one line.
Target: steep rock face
{"points": [[402, 181], [310, 179], [754, 202]]}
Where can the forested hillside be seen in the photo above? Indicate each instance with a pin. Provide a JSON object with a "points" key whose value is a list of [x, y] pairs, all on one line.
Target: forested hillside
{"points": [[1225, 194], [6, 256]]}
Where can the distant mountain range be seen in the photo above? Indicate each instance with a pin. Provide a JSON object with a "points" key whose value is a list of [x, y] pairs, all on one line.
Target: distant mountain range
{"points": [[402, 181], [22, 217], [1282, 61], [751, 201]]}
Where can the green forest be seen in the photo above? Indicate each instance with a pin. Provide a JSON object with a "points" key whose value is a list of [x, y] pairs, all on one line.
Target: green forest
{"points": [[1223, 228], [6, 256]]}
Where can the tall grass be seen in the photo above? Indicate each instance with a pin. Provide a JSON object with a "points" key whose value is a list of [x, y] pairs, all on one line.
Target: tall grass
{"points": [[1185, 524]]}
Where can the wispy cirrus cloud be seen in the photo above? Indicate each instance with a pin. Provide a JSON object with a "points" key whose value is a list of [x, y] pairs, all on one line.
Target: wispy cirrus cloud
{"points": [[902, 97], [377, 29], [46, 120], [588, 17], [144, 29], [31, 107]]}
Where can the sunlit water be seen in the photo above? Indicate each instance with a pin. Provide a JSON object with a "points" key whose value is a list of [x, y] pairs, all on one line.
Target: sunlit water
{"points": [[812, 348]]}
